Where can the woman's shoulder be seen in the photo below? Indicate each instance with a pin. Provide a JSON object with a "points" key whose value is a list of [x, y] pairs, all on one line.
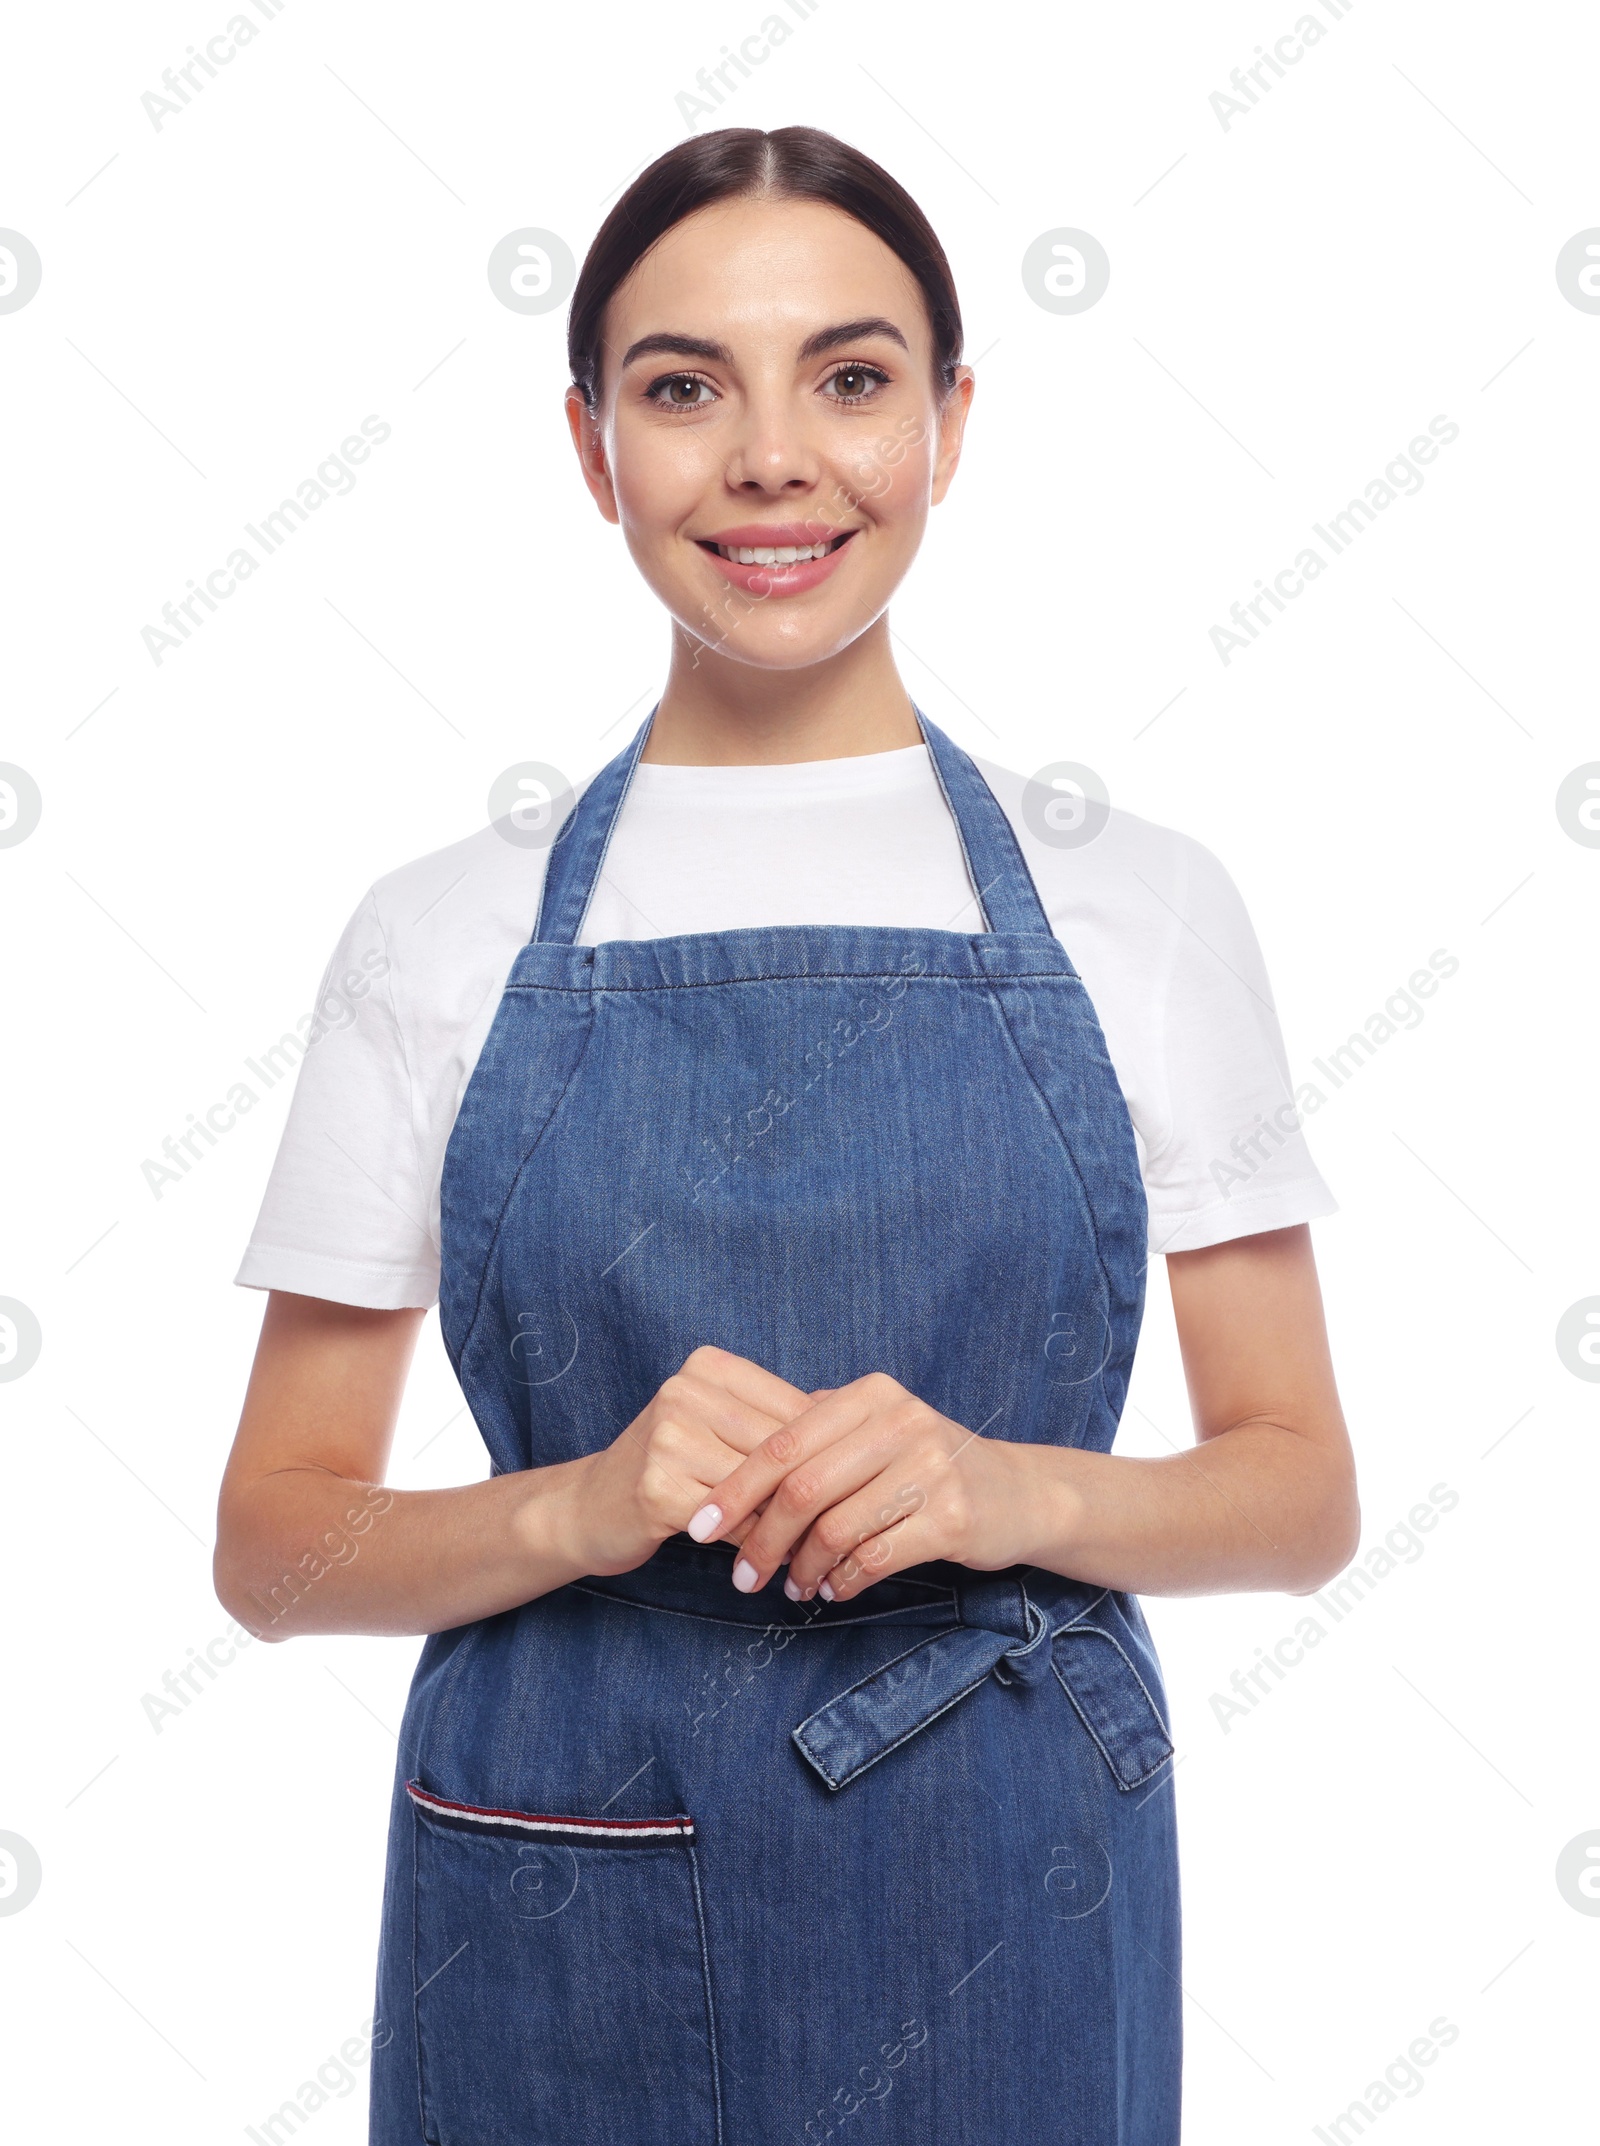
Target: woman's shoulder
{"points": [[1092, 856], [438, 935], [479, 886], [452, 920]]}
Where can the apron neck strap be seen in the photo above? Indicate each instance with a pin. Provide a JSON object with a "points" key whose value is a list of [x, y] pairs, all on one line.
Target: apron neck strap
{"points": [[579, 849], [1008, 900], [1002, 885]]}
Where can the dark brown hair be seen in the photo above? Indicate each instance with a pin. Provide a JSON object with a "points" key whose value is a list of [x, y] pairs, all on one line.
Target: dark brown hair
{"points": [[791, 164]]}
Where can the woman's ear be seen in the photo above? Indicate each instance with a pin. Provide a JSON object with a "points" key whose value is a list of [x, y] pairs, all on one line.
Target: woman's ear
{"points": [[952, 426], [589, 441]]}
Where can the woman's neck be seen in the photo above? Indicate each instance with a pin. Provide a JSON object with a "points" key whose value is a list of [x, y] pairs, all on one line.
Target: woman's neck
{"points": [[718, 712]]}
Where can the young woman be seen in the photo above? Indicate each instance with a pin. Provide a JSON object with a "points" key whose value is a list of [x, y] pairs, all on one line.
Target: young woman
{"points": [[785, 1145]]}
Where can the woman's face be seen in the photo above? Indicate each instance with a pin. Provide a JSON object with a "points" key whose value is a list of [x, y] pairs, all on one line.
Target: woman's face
{"points": [[768, 384]]}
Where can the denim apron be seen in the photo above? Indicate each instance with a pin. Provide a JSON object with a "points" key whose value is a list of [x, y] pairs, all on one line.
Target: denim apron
{"points": [[670, 1865]]}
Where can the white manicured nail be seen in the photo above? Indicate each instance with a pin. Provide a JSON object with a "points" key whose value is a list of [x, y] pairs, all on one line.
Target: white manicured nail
{"points": [[706, 1522], [791, 1590], [825, 1591], [745, 1576]]}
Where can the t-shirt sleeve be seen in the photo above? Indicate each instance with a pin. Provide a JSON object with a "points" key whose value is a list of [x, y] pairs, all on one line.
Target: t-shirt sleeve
{"points": [[345, 1214], [1233, 1157]]}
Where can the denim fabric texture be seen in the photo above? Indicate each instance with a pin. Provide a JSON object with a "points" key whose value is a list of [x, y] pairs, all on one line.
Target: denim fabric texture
{"points": [[674, 1866]]}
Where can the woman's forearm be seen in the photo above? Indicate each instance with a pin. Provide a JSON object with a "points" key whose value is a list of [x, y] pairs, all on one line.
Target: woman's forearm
{"points": [[1258, 1506], [305, 1550]]}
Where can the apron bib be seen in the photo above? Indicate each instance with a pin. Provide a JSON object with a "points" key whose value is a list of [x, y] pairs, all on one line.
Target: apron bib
{"points": [[674, 1866]]}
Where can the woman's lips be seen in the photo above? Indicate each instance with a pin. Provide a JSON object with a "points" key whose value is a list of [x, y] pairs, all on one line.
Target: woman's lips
{"points": [[788, 580]]}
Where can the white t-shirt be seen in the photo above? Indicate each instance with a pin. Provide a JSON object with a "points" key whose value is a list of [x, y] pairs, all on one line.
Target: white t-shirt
{"points": [[1152, 922]]}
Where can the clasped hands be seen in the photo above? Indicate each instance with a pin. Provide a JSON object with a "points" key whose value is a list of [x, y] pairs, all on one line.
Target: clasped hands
{"points": [[845, 1486]]}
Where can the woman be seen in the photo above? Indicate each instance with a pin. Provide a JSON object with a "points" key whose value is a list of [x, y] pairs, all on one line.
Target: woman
{"points": [[789, 1736]]}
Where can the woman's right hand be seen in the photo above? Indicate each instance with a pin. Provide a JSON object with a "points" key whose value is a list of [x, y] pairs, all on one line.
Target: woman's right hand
{"points": [[309, 1538], [707, 1418]]}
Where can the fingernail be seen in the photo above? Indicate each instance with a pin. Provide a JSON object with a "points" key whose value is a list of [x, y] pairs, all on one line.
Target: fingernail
{"points": [[706, 1523], [791, 1590], [745, 1576], [825, 1591]]}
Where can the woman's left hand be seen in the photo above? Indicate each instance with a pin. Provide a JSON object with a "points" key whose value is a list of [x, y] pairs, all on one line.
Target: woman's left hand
{"points": [[868, 1481]]}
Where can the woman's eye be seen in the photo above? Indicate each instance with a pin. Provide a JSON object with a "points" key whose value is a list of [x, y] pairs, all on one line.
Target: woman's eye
{"points": [[679, 391], [856, 382]]}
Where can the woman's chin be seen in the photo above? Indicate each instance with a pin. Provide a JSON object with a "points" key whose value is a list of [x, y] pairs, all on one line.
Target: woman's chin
{"points": [[774, 643]]}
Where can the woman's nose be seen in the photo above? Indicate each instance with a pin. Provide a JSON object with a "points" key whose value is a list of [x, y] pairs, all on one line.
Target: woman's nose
{"points": [[772, 447]]}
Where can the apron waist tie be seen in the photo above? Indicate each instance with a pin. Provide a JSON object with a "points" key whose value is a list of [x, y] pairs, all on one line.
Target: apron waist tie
{"points": [[1019, 1627]]}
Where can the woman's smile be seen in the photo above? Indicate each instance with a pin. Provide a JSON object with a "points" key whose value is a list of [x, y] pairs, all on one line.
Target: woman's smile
{"points": [[777, 558]]}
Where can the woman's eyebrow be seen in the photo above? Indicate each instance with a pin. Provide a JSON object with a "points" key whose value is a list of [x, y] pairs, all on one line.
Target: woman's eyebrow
{"points": [[850, 331], [814, 346]]}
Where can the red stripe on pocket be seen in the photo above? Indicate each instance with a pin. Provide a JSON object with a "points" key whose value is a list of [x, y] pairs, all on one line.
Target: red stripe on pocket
{"points": [[546, 1826]]}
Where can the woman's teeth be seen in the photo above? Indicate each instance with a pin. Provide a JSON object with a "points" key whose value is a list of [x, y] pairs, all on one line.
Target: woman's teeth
{"points": [[772, 554]]}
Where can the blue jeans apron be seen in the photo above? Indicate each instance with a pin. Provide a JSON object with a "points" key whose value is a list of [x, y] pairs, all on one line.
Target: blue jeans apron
{"points": [[674, 1866]]}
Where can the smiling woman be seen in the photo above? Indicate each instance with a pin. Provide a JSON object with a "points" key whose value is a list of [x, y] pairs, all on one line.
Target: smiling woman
{"points": [[856, 419], [786, 1163]]}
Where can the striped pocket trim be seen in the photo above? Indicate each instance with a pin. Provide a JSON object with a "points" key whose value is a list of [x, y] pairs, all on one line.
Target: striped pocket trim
{"points": [[563, 1832]]}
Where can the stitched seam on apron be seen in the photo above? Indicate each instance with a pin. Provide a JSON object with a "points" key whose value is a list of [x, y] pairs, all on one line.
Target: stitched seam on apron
{"points": [[416, 2023], [711, 2009], [811, 976], [742, 1624], [1111, 1640], [894, 1662], [516, 1178], [424, 2127], [1089, 1730], [916, 1729], [1061, 1136], [613, 814], [961, 833], [451, 1678], [1082, 1616], [453, 1670]]}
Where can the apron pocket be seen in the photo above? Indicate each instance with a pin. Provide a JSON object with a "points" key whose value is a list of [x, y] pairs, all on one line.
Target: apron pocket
{"points": [[563, 1989]]}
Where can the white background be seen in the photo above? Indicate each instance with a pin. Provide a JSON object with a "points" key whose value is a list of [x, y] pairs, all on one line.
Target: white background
{"points": [[1292, 299]]}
